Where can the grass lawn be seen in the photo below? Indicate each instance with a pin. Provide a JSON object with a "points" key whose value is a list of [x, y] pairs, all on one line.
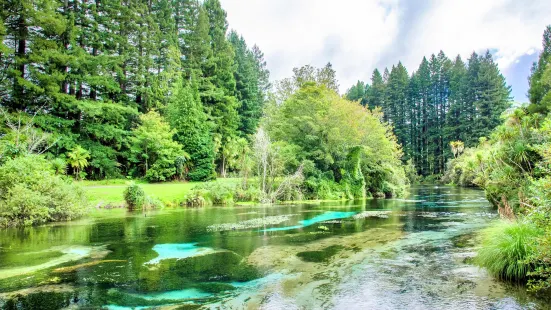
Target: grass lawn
{"points": [[111, 191]]}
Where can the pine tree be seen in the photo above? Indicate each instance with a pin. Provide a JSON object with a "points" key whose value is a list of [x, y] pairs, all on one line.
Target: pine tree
{"points": [[396, 91], [538, 90], [358, 92], [264, 84], [185, 115], [375, 95], [248, 88], [454, 129], [493, 97], [423, 83]]}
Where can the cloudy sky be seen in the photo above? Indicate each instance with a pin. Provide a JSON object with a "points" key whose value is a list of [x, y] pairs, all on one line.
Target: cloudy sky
{"points": [[357, 36]]}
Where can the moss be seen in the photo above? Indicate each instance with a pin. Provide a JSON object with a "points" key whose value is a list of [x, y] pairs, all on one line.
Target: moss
{"points": [[463, 241], [214, 287], [172, 274], [320, 256], [120, 298], [28, 259], [39, 300]]}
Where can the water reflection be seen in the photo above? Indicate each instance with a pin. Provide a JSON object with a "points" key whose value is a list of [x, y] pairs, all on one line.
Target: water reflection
{"points": [[374, 254]]}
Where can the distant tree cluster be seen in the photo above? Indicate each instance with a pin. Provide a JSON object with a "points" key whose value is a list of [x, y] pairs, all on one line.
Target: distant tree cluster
{"points": [[119, 80], [442, 101]]}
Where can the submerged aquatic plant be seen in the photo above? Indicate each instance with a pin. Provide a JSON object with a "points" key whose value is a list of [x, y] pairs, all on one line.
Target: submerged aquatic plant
{"points": [[506, 248], [252, 223], [366, 214]]}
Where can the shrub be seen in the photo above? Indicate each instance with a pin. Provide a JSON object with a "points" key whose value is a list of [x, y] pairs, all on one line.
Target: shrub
{"points": [[506, 249], [153, 202], [220, 194], [211, 193], [134, 196], [31, 193], [249, 194]]}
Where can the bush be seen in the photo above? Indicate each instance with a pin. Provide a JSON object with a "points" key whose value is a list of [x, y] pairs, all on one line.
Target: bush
{"points": [[134, 196], [220, 194], [506, 249], [31, 193], [249, 194], [136, 199], [211, 193]]}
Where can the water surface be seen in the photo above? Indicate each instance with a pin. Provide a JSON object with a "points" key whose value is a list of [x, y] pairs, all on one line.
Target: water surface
{"points": [[413, 253]]}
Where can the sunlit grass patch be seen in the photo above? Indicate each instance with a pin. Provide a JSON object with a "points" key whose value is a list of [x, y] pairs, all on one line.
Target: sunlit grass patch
{"points": [[506, 248]]}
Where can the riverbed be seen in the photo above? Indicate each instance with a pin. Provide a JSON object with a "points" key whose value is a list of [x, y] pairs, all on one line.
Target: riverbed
{"points": [[414, 253]]}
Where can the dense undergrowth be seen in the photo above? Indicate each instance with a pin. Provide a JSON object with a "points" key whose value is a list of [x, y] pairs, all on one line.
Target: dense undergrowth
{"points": [[32, 193]]}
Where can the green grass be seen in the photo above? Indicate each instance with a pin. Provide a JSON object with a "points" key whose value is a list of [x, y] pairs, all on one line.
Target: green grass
{"points": [[111, 191], [506, 249]]}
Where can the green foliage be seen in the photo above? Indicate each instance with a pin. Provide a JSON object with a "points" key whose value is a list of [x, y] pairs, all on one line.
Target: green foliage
{"points": [[302, 76], [153, 149], [506, 249], [186, 117], [78, 160], [540, 80], [134, 196], [441, 102], [31, 193], [337, 141], [250, 76], [359, 92], [211, 193], [513, 167], [85, 71], [59, 165]]}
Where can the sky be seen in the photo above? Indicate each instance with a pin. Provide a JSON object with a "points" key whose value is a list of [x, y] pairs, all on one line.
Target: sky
{"points": [[357, 36]]}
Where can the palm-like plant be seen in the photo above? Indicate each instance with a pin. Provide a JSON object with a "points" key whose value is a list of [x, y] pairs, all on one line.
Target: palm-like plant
{"points": [[59, 165], [183, 164], [78, 159], [457, 148]]}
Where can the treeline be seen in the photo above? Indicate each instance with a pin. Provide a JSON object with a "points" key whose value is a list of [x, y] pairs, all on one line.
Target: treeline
{"points": [[92, 72], [442, 101]]}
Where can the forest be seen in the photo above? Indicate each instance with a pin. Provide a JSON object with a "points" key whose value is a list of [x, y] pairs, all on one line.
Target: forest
{"points": [[442, 101], [163, 92], [86, 73]]}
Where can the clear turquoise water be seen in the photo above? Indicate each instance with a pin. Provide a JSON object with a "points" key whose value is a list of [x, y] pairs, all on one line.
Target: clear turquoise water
{"points": [[416, 256]]}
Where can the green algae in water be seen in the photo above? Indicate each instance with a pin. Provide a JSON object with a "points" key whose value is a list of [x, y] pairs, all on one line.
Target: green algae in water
{"points": [[27, 259], [121, 300], [463, 241], [320, 256], [174, 274], [38, 301]]}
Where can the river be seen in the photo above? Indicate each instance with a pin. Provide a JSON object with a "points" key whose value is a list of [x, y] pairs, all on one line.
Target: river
{"points": [[413, 253]]}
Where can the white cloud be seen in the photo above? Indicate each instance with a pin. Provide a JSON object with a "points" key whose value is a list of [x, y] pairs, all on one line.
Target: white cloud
{"points": [[358, 35]]}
